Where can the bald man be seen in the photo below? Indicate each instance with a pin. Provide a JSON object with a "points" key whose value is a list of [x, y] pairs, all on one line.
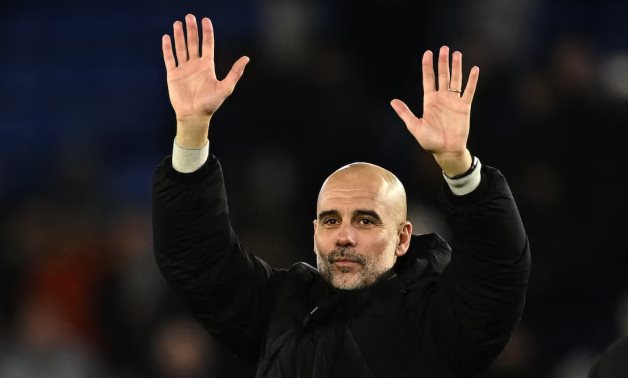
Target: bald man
{"points": [[375, 201], [382, 302]]}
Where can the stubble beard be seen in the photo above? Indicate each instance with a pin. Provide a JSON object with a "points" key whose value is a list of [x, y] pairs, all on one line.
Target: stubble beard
{"points": [[350, 278]]}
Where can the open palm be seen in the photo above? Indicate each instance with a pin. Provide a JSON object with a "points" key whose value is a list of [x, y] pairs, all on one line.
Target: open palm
{"points": [[194, 90], [444, 127]]}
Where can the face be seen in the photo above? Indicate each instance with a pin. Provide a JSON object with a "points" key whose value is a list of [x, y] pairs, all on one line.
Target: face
{"points": [[357, 234]]}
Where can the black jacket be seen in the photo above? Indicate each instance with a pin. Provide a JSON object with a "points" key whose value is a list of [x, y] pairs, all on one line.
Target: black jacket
{"points": [[435, 318]]}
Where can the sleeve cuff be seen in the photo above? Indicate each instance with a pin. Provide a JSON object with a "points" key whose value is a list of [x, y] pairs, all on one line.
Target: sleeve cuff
{"points": [[468, 183], [188, 160]]}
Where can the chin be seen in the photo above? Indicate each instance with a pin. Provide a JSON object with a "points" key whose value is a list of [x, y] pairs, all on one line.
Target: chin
{"points": [[348, 283]]}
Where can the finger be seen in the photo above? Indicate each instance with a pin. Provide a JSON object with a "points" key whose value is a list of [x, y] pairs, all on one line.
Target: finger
{"points": [[472, 83], [443, 69], [235, 74], [179, 43], [427, 64], [166, 47], [404, 113], [192, 29], [456, 71], [208, 39]]}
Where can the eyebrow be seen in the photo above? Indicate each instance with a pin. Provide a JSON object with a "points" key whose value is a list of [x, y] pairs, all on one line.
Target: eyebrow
{"points": [[327, 213], [369, 213], [355, 214]]}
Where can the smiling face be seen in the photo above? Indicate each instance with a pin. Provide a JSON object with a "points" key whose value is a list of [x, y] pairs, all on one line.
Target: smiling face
{"points": [[361, 226]]}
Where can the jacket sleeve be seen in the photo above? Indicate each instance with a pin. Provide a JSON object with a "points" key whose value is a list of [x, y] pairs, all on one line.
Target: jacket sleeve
{"points": [[481, 294], [197, 251]]}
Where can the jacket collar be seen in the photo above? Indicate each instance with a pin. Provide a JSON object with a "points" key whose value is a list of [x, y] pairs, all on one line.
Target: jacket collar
{"points": [[428, 254], [429, 247]]}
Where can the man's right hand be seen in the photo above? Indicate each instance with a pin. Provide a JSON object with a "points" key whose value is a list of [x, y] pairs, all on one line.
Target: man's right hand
{"points": [[195, 92]]}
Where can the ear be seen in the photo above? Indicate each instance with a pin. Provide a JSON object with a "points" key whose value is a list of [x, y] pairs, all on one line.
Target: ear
{"points": [[405, 234], [315, 223]]}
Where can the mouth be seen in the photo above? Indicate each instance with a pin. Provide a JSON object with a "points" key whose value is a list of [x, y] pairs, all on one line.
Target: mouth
{"points": [[345, 262]]}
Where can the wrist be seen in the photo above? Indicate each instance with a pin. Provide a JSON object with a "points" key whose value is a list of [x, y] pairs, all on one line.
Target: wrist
{"points": [[454, 164], [192, 132], [467, 182], [187, 160]]}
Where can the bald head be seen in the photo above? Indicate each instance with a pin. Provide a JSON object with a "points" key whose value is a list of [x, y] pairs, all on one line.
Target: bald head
{"points": [[361, 225], [360, 178]]}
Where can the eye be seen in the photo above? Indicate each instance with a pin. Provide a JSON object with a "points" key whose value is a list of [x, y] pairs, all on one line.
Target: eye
{"points": [[330, 221], [365, 221]]}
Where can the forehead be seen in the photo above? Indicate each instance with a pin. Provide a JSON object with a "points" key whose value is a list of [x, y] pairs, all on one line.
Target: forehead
{"points": [[365, 195]]}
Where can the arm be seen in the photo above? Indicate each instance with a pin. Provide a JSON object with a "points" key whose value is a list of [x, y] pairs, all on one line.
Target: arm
{"points": [[196, 249], [480, 296]]}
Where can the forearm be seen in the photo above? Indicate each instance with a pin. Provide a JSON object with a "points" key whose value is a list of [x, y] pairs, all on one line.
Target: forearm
{"points": [[191, 224], [198, 253], [490, 263], [486, 221], [193, 239], [481, 295]]}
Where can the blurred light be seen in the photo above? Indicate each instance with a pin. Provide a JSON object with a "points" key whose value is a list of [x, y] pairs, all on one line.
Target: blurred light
{"points": [[614, 74]]}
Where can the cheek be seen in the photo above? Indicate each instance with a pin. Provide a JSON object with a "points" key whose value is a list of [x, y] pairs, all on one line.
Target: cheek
{"points": [[319, 243], [323, 238], [382, 245]]}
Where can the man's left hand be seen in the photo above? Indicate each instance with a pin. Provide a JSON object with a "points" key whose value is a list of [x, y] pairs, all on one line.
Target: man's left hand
{"points": [[444, 128]]}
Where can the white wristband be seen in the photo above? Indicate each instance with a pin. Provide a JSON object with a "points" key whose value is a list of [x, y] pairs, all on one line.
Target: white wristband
{"points": [[188, 160], [466, 184]]}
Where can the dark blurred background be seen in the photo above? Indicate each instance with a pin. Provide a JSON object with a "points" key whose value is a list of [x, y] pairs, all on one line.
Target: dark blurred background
{"points": [[85, 118]]}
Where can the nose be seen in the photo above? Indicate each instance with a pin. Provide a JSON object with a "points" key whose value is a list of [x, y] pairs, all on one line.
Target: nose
{"points": [[346, 236]]}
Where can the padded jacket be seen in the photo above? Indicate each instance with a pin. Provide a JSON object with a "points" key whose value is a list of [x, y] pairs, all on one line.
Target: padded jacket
{"points": [[447, 312]]}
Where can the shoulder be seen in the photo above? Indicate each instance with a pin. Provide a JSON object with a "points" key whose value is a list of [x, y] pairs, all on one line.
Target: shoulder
{"points": [[297, 275]]}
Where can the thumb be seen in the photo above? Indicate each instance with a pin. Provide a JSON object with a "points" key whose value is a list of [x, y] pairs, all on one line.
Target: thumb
{"points": [[235, 74], [404, 113]]}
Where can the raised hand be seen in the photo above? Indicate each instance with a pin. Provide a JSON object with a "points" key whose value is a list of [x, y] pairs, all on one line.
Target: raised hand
{"points": [[195, 91], [444, 128]]}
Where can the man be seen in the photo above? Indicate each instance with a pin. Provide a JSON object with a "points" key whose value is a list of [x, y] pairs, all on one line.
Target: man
{"points": [[383, 302]]}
